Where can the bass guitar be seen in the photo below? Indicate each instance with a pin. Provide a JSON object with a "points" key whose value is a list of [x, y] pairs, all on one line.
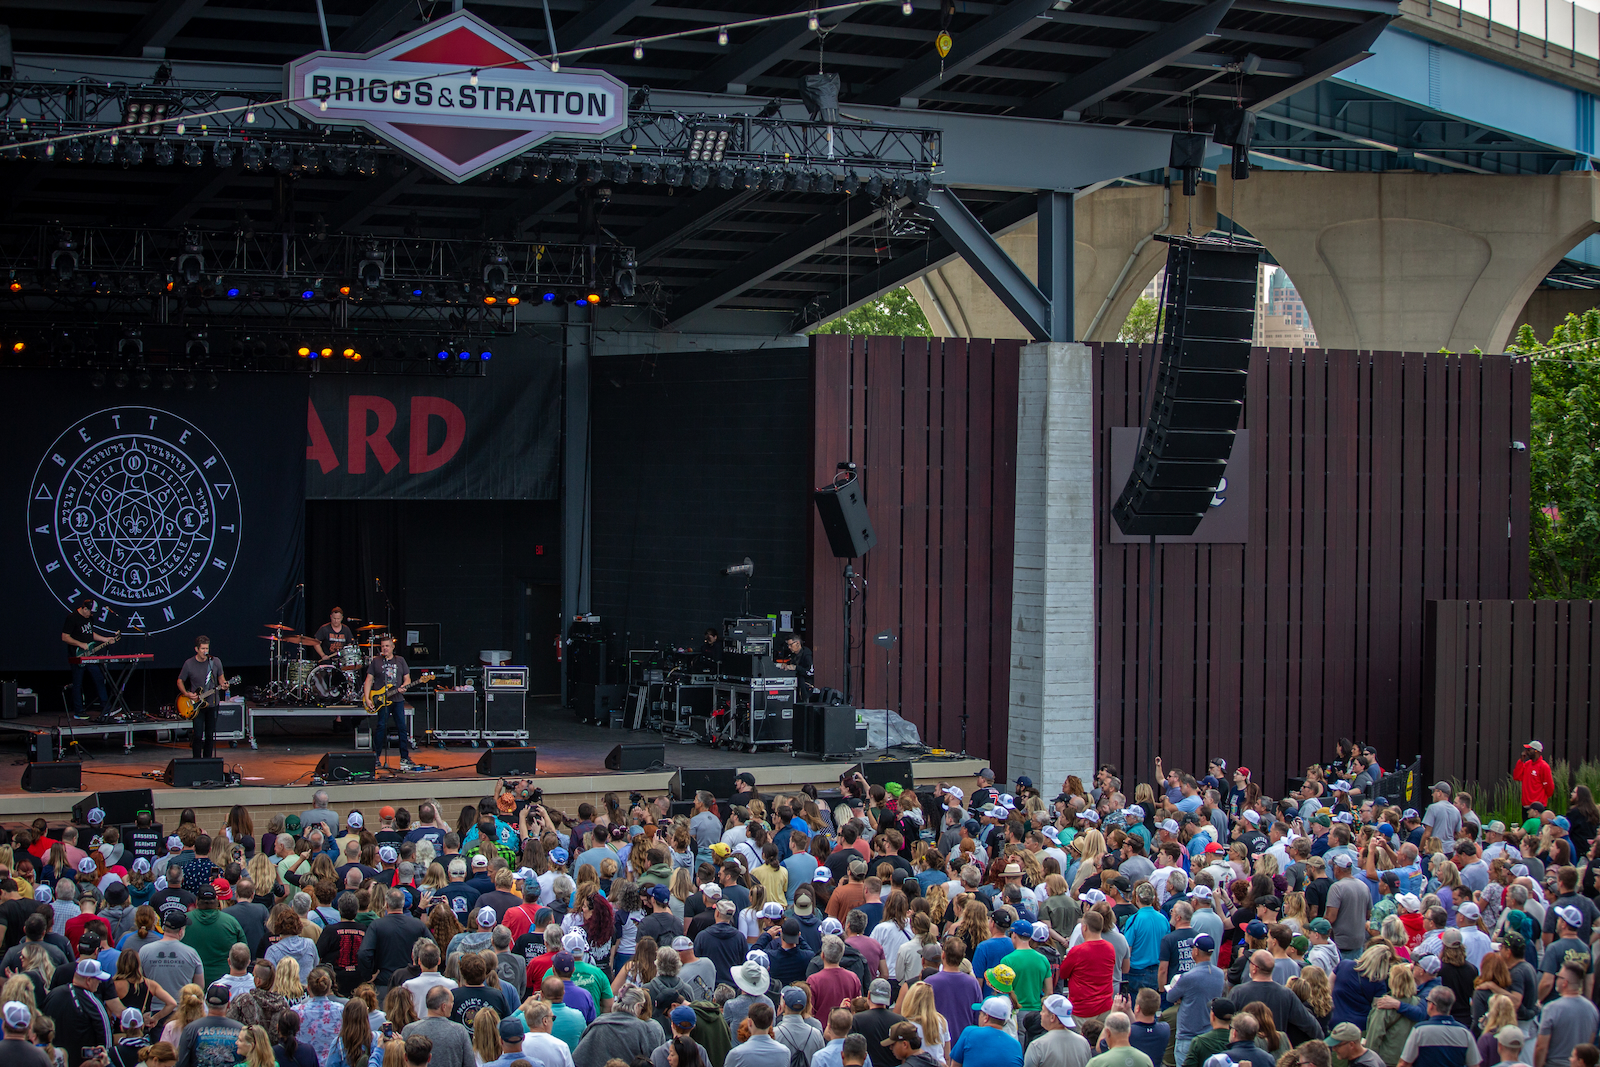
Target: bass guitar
{"points": [[189, 707], [385, 695], [95, 648]]}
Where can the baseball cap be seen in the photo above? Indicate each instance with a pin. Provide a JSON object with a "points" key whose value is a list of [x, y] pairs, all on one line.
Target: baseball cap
{"points": [[822, 874], [794, 998], [90, 968], [1513, 940], [1022, 928], [1204, 943], [1563, 823], [1223, 1008], [558, 855], [1300, 943], [176, 920], [1537, 746], [42, 894], [772, 910], [1201, 892], [1342, 860], [681, 944], [1411, 813], [903, 1031], [1041, 931], [480, 860], [1495, 827], [486, 916], [291, 823], [1450, 935], [711, 891], [1024, 782], [575, 941], [878, 992], [972, 827], [1442, 787], [353, 820], [512, 1030], [86, 866], [563, 963], [830, 925], [17, 1014], [987, 772], [683, 1015], [1345, 1032], [97, 816], [1431, 964], [746, 777], [206, 893], [996, 1008], [1470, 910], [174, 844], [1061, 1008], [1169, 825], [387, 854], [1256, 928], [217, 995], [1508, 1035], [1570, 915], [660, 894]]}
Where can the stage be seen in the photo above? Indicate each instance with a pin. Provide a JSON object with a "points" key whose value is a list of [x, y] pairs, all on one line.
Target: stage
{"points": [[276, 772]]}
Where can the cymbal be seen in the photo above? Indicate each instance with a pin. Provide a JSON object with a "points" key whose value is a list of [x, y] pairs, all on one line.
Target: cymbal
{"points": [[270, 637], [278, 626], [298, 639], [371, 626]]}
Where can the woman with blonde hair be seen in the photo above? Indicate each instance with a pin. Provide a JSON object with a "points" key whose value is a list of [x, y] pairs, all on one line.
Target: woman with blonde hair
{"points": [[443, 926], [191, 1005], [160, 1054], [1387, 1029], [254, 1047], [399, 1011], [1499, 1012], [286, 981], [1446, 883], [1312, 987], [20, 987], [749, 919], [486, 1047], [1088, 847], [1394, 931], [973, 926], [916, 1005], [938, 899], [1358, 982], [1294, 912], [682, 888]]}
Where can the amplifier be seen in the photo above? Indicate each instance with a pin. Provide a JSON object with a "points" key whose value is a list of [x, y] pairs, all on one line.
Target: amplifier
{"points": [[505, 713], [230, 720], [455, 712], [773, 714], [119, 806], [827, 730], [746, 665], [594, 701]]}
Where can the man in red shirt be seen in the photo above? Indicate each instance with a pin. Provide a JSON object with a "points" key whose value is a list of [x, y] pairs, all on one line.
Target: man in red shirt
{"points": [[833, 986], [1533, 774], [1088, 970]]}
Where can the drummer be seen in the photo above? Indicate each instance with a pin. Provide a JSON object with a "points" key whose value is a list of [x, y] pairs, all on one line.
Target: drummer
{"points": [[333, 635]]}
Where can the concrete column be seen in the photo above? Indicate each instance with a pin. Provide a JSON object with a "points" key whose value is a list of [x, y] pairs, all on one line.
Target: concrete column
{"points": [[1114, 257], [1052, 730], [1402, 261]]}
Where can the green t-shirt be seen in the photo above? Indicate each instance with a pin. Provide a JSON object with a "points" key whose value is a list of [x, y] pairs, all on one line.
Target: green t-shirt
{"points": [[1205, 1046], [1126, 1056], [212, 933], [593, 981], [1032, 972]]}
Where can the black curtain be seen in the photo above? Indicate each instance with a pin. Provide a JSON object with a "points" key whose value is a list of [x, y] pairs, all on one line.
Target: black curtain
{"points": [[355, 558]]}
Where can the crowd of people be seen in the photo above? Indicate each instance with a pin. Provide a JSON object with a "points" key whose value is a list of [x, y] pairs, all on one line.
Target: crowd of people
{"points": [[1193, 922]]}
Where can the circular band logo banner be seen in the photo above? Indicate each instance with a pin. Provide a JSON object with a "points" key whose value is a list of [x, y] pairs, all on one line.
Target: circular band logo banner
{"points": [[137, 508]]}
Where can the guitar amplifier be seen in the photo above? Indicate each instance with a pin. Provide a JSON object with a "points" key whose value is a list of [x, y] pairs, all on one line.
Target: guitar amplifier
{"points": [[455, 715], [230, 720], [505, 716]]}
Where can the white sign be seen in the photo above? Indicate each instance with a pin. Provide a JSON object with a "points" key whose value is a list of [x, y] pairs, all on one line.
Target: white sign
{"points": [[457, 95]]}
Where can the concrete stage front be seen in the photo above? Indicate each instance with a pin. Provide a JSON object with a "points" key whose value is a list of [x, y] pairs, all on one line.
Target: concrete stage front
{"points": [[571, 769]]}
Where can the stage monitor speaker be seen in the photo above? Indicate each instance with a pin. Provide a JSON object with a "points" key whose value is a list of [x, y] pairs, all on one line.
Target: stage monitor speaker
{"points": [[45, 777], [189, 773], [637, 757], [717, 781], [843, 511], [120, 806], [1199, 389], [682, 807], [509, 762], [346, 767], [594, 703], [882, 772]]}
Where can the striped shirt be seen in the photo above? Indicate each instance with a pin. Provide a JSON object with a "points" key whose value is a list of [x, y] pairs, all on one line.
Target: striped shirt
{"points": [[1441, 1042]]}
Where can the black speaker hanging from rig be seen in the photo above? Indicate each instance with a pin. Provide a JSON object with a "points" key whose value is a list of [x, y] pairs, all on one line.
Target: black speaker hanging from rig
{"points": [[1209, 313], [843, 511]]}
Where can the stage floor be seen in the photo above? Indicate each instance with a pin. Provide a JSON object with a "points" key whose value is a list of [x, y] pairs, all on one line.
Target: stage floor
{"points": [[288, 750]]}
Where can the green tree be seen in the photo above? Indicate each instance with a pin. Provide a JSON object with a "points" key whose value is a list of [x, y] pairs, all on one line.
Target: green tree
{"points": [[1564, 491], [1140, 326], [894, 314]]}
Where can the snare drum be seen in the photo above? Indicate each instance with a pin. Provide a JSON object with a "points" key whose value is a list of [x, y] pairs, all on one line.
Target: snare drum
{"points": [[296, 671], [329, 685], [350, 657]]}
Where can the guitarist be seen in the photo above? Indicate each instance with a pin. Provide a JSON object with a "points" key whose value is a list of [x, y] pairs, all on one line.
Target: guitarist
{"points": [[201, 672], [79, 634], [389, 672]]}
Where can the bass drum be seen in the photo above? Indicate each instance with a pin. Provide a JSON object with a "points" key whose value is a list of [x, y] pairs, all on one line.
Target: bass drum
{"points": [[329, 685], [351, 657]]}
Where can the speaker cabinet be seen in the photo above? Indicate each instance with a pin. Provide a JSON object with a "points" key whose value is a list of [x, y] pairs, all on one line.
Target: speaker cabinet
{"points": [[120, 806], [42, 746], [8, 700], [46, 777], [455, 712], [1199, 390], [882, 772], [843, 511], [825, 730], [594, 703], [346, 767], [505, 713], [508, 762], [637, 757], [189, 773], [717, 781]]}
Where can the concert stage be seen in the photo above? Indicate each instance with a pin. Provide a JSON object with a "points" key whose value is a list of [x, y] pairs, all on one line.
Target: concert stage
{"points": [[277, 772]]}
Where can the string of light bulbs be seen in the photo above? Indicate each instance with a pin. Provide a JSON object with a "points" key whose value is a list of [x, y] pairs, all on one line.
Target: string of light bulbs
{"points": [[811, 15]]}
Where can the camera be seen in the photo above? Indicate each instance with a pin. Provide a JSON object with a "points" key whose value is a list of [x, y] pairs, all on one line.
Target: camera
{"points": [[635, 798]]}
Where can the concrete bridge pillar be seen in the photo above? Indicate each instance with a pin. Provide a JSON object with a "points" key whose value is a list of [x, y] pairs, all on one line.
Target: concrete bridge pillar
{"points": [[1114, 257], [1402, 261]]}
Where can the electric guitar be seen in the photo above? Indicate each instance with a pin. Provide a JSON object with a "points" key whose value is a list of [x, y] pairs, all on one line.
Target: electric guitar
{"points": [[188, 707], [385, 695], [95, 648]]}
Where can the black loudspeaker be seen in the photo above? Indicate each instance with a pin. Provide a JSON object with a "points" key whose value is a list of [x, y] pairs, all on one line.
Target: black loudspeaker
{"points": [[346, 767], [188, 773], [455, 712], [1209, 317], [825, 729], [42, 746], [718, 782], [843, 511], [505, 712], [637, 757], [682, 807], [44, 777], [882, 772], [120, 806], [508, 762], [8, 700], [594, 702]]}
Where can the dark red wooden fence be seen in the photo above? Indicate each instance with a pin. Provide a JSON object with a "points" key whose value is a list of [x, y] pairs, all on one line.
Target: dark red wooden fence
{"points": [[1379, 481], [933, 425], [1503, 672]]}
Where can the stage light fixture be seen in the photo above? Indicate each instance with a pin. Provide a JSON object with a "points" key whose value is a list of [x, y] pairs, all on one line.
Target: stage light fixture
{"points": [[491, 300], [281, 159], [512, 301], [308, 294], [486, 355], [222, 153], [621, 171], [638, 51], [344, 290], [310, 159], [593, 299], [132, 152], [725, 176], [164, 153], [464, 354], [649, 173], [303, 352], [444, 353], [627, 278], [252, 156], [918, 188], [339, 161], [539, 168], [74, 151], [897, 187], [15, 286], [326, 353], [709, 141], [191, 264], [366, 161], [579, 301], [513, 170], [699, 176], [672, 175], [549, 297], [849, 182], [97, 380], [495, 277], [233, 292], [370, 269], [874, 186], [64, 260], [566, 170], [349, 353], [193, 154], [104, 153], [211, 380], [167, 380], [19, 346], [197, 347]]}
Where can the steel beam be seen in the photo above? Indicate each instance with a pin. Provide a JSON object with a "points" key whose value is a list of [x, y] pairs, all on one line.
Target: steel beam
{"points": [[1056, 261], [703, 209], [750, 272], [381, 22], [1328, 59], [160, 26], [597, 22], [751, 59], [1011, 23], [989, 261], [374, 193], [1112, 75]]}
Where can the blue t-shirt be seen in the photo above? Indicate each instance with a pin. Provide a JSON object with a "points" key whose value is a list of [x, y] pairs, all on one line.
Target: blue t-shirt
{"points": [[989, 953], [1190, 805], [986, 1046]]}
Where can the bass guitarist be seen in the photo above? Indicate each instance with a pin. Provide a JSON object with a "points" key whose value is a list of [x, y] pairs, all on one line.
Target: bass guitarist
{"points": [[389, 675], [200, 673], [80, 636]]}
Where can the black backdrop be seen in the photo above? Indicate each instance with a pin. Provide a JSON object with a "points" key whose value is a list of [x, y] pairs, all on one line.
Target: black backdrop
{"points": [[190, 523], [698, 460]]}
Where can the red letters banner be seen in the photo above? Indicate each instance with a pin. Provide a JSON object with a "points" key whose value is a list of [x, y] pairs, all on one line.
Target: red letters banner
{"points": [[437, 438]]}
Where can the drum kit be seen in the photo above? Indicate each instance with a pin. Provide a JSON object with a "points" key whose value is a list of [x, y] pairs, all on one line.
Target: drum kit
{"points": [[302, 679]]}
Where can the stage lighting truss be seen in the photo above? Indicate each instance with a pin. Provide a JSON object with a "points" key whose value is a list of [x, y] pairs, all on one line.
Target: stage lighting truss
{"points": [[269, 135]]}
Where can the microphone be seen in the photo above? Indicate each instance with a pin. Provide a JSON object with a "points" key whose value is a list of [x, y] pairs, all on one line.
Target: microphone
{"points": [[747, 568]]}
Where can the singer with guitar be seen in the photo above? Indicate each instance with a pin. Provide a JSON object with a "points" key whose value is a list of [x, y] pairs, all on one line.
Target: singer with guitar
{"points": [[388, 676], [82, 639], [201, 673]]}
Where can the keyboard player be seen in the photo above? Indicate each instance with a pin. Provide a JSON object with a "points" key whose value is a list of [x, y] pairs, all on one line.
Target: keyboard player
{"points": [[78, 633]]}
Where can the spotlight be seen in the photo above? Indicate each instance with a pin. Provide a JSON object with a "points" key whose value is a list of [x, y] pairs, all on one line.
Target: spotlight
{"points": [[539, 168], [486, 355], [649, 172], [366, 161], [104, 153], [672, 174], [233, 293], [64, 260], [370, 270], [709, 141], [699, 175], [222, 154], [350, 353], [905, 7], [304, 353], [326, 353], [495, 278], [192, 264], [627, 278], [549, 297], [512, 301], [310, 159], [443, 353], [282, 158], [164, 153], [513, 170], [121, 380], [143, 379], [308, 294], [251, 157], [725, 177], [918, 188], [193, 154], [167, 380], [132, 153], [638, 51], [850, 182], [97, 380], [874, 186], [592, 299], [197, 347], [19, 346], [339, 161], [464, 354], [897, 187], [566, 170], [621, 172], [74, 151]]}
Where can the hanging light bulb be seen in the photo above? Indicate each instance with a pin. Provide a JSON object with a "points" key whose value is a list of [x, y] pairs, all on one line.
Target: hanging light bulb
{"points": [[324, 105], [180, 129], [638, 51], [722, 36], [250, 116], [811, 23], [114, 139], [474, 78], [905, 7], [555, 64]]}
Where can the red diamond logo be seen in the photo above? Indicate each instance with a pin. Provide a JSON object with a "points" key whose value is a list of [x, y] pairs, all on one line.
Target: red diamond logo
{"points": [[457, 95]]}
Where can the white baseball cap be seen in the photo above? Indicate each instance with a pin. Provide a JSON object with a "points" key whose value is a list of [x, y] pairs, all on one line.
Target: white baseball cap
{"points": [[354, 820], [1252, 816], [997, 1008], [1061, 1008], [173, 843], [486, 916], [1570, 915], [17, 1014], [387, 854]]}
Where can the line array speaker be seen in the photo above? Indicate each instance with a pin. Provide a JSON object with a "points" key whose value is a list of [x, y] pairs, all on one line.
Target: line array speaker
{"points": [[503, 762], [43, 777], [636, 757], [843, 511], [1199, 388], [718, 781], [188, 773]]}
